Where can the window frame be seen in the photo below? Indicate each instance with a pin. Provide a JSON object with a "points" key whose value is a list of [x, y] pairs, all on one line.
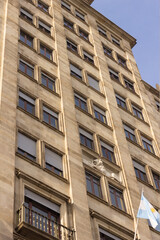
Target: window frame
{"points": [[99, 114], [25, 102], [122, 61], [39, 2], [72, 46], [25, 17], [46, 50], [128, 83], [44, 27], [114, 75], [28, 66], [137, 112], [106, 52], [48, 79], [157, 184], [140, 171], [74, 74], [122, 201], [69, 24], [86, 141], [115, 41], [147, 145], [88, 57], [103, 32], [129, 133], [83, 34], [81, 101], [121, 101], [26, 37], [50, 117], [107, 151], [65, 5], [92, 177], [157, 102], [79, 17]]}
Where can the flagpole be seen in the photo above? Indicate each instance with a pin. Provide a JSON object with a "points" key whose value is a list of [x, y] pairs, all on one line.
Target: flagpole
{"points": [[136, 229]]}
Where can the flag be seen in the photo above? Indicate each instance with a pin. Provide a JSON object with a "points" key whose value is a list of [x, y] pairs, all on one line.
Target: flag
{"points": [[147, 211]]}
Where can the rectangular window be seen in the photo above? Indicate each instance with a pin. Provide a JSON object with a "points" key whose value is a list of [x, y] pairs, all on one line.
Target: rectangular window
{"points": [[156, 178], [158, 105], [26, 15], [88, 57], [80, 102], [121, 101], [48, 82], [115, 41], [113, 74], [105, 235], [107, 51], [147, 144], [75, 71], [80, 15], [44, 27], [26, 38], [137, 112], [26, 68], [129, 85], [93, 185], [86, 138], [27, 103], [93, 82], [117, 198], [41, 213], [53, 161], [102, 31], [83, 34], [100, 114], [72, 46], [129, 132], [43, 6], [46, 52], [140, 171], [65, 5], [26, 146], [68, 24], [122, 61], [107, 151], [50, 117]]}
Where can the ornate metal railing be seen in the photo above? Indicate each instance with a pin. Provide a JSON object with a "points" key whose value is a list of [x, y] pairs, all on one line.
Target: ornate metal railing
{"points": [[44, 224]]}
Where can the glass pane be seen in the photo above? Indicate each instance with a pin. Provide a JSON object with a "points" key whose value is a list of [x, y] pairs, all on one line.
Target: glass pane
{"points": [[21, 103], [30, 71], [97, 190], [30, 108], [44, 81], [22, 66], [51, 85], [53, 121], [45, 117], [89, 188]]}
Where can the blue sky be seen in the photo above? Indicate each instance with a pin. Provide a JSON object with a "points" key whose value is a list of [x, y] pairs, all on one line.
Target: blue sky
{"points": [[141, 19]]}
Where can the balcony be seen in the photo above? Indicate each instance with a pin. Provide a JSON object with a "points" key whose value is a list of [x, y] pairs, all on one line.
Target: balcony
{"points": [[35, 226]]}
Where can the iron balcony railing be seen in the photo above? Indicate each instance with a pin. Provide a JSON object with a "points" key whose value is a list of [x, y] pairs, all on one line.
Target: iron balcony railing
{"points": [[36, 220]]}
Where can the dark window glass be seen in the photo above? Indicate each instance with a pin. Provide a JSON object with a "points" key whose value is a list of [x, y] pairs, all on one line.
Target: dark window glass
{"points": [[71, 46], [44, 27], [68, 24], [88, 57], [50, 119], [100, 116], [65, 5], [83, 34], [24, 37], [107, 51], [108, 154], [115, 41], [46, 52], [26, 15], [148, 146], [80, 15], [156, 178], [26, 154], [114, 75], [117, 198], [129, 85], [121, 102], [54, 169], [122, 62], [43, 6], [137, 113], [130, 135], [27, 106], [48, 82], [80, 103], [27, 69], [93, 185]]}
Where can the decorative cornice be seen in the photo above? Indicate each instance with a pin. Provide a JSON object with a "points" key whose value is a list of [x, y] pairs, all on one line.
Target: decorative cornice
{"points": [[151, 89], [88, 1]]}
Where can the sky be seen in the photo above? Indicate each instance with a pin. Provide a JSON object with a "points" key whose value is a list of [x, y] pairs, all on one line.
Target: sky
{"points": [[141, 19]]}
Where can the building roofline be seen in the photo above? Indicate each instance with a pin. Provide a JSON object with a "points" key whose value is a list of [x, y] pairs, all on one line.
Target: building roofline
{"points": [[151, 88], [111, 24]]}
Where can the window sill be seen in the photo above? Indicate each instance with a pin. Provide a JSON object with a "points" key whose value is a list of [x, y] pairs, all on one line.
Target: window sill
{"points": [[29, 114], [121, 211], [145, 183], [117, 46], [95, 90], [131, 91], [78, 79], [141, 120], [53, 92], [152, 154], [51, 61], [97, 198], [55, 175], [47, 13], [75, 53], [31, 48], [105, 36], [110, 164], [31, 78], [87, 41], [87, 113], [116, 80], [71, 30], [126, 68], [104, 124], [53, 128], [92, 64], [88, 150], [83, 21], [27, 21], [135, 143], [110, 57], [66, 9], [47, 34], [35, 163], [126, 110]]}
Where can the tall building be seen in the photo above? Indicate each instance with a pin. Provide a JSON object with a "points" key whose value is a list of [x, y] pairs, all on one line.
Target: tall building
{"points": [[79, 133]]}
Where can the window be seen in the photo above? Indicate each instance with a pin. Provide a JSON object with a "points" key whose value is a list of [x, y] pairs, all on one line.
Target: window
{"points": [[41, 213], [68, 24], [53, 161], [117, 198], [100, 114], [44, 27], [147, 144], [65, 5], [137, 112], [93, 83], [113, 74], [102, 31], [46, 52], [93, 185], [86, 138], [88, 57], [43, 6], [122, 61], [26, 15], [115, 41], [26, 146], [27, 103], [158, 105], [26, 68], [129, 85], [26, 38], [129, 132], [80, 102], [50, 117], [121, 101], [80, 15], [105, 235], [140, 171], [72, 46], [107, 151], [156, 178], [48, 82], [83, 34], [107, 51], [75, 71]]}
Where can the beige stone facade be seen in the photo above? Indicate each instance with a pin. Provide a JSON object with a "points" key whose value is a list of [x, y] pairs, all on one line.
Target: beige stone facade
{"points": [[79, 135]]}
